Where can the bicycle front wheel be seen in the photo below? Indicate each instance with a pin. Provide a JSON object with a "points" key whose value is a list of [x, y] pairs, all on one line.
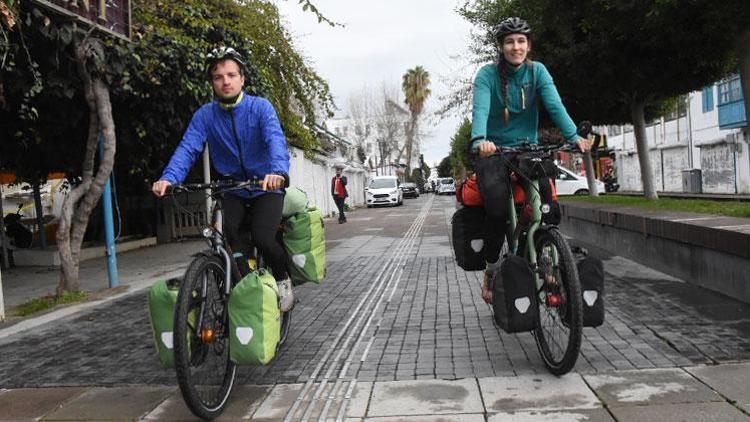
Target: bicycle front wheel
{"points": [[286, 325], [558, 335], [201, 338]]}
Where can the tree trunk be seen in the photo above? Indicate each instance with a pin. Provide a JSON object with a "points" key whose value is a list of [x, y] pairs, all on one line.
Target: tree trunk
{"points": [[745, 73], [410, 142], [83, 198], [641, 143], [590, 176]]}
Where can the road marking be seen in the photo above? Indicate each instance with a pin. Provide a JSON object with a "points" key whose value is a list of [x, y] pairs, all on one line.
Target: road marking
{"points": [[377, 292]]}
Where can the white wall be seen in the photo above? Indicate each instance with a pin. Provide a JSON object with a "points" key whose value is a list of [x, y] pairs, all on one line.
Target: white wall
{"points": [[692, 141], [313, 175], [674, 161]]}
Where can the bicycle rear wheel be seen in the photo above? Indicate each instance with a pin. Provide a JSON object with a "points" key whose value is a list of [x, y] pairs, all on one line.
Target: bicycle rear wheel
{"points": [[204, 371], [558, 335]]}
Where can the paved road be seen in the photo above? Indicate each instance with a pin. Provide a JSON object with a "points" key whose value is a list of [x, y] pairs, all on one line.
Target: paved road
{"points": [[395, 306], [418, 316]]}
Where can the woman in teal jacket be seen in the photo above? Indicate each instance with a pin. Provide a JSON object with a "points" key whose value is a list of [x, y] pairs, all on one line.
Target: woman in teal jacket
{"points": [[506, 113]]}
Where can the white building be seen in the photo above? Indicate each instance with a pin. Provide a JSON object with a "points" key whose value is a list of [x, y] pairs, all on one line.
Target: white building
{"points": [[709, 134], [382, 143]]}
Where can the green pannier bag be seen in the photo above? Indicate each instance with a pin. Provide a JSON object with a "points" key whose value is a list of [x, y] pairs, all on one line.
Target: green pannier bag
{"points": [[254, 319], [304, 240], [295, 200], [162, 298]]}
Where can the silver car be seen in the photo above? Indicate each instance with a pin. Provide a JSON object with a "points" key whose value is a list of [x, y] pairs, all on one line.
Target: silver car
{"points": [[446, 186]]}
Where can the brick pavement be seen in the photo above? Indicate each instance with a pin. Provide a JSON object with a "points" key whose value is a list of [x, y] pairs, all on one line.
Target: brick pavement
{"points": [[435, 326]]}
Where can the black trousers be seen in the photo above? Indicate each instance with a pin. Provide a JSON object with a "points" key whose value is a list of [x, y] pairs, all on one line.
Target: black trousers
{"points": [[493, 177], [340, 205], [256, 221]]}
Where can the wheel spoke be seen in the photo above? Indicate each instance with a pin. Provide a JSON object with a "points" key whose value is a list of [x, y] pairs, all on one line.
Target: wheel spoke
{"points": [[559, 333], [206, 374]]}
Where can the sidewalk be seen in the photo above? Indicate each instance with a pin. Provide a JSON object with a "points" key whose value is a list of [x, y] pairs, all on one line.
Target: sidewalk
{"points": [[701, 393], [423, 345], [136, 269]]}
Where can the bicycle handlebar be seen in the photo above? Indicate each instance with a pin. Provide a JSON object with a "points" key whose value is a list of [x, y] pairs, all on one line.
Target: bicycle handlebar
{"points": [[562, 146], [220, 186]]}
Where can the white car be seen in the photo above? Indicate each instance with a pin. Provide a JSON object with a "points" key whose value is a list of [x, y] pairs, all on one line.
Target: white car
{"points": [[383, 190], [445, 185], [569, 183]]}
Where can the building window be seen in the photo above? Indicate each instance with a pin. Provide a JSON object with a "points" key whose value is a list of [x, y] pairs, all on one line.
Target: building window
{"points": [[680, 110], [730, 90], [708, 98], [628, 128], [615, 130]]}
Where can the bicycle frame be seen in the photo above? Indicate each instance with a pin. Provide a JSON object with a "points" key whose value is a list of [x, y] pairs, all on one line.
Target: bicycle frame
{"points": [[535, 201]]}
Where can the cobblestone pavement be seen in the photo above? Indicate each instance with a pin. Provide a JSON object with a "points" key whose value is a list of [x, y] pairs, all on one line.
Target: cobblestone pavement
{"points": [[418, 316]]}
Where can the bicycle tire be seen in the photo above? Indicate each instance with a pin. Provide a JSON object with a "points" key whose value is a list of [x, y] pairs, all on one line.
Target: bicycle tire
{"points": [[206, 395], [286, 317], [286, 324], [566, 316]]}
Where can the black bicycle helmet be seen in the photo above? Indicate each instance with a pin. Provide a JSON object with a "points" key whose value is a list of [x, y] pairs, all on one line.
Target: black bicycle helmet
{"points": [[223, 53], [512, 25]]}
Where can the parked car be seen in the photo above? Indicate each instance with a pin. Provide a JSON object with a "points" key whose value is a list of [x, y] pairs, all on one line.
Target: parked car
{"points": [[383, 190], [446, 186], [569, 183], [409, 190]]}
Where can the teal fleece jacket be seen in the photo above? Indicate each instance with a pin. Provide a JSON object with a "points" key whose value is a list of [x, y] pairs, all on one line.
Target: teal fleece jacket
{"points": [[523, 90]]}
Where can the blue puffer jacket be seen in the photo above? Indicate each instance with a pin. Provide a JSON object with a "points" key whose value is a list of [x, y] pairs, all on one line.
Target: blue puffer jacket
{"points": [[245, 141]]}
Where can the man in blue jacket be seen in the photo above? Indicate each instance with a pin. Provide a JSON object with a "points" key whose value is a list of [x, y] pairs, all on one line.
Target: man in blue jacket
{"points": [[246, 141]]}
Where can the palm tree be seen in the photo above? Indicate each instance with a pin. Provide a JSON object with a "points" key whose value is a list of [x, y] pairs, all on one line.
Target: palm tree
{"points": [[415, 85]]}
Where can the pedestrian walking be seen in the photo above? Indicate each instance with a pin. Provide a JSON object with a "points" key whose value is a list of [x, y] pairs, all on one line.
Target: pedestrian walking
{"points": [[339, 193]]}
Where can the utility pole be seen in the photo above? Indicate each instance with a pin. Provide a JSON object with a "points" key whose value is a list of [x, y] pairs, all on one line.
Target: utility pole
{"points": [[2, 301], [207, 179], [3, 246], [109, 226]]}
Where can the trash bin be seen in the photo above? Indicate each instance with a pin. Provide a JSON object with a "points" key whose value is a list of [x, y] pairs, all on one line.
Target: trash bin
{"points": [[691, 181]]}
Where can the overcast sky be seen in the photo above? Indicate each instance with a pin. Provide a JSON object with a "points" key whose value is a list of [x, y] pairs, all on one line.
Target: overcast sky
{"points": [[379, 42]]}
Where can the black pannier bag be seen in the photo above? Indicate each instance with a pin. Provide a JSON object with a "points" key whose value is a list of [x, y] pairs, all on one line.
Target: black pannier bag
{"points": [[591, 275], [468, 238], [514, 301], [537, 165]]}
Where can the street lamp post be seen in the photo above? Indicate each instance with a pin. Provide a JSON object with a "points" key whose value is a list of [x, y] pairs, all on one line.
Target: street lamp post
{"points": [[2, 300]]}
